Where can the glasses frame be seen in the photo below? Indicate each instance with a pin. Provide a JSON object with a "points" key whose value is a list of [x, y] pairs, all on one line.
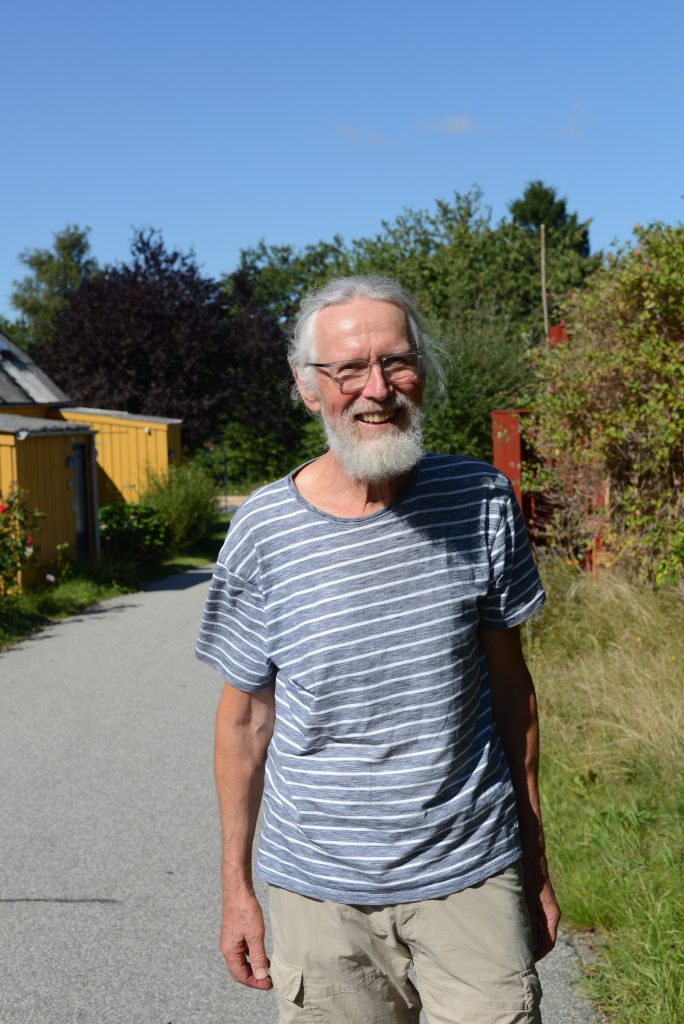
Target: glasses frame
{"points": [[330, 367]]}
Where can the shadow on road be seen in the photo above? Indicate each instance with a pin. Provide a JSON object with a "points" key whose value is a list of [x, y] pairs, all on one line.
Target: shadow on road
{"points": [[182, 580]]}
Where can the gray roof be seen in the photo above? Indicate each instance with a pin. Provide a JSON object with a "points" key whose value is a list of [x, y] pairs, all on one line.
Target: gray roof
{"points": [[33, 426], [21, 382], [122, 415]]}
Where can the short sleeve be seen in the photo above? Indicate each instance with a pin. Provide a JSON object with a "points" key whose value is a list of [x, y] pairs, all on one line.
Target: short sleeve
{"points": [[233, 635], [515, 591]]}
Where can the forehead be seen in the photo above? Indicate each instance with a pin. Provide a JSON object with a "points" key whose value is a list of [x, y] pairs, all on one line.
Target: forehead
{"points": [[357, 326]]}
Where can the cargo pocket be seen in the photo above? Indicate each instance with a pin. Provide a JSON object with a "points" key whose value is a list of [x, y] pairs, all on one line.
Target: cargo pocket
{"points": [[288, 986], [533, 993], [366, 996]]}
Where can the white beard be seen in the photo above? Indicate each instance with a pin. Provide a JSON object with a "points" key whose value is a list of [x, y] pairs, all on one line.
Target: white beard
{"points": [[376, 458]]}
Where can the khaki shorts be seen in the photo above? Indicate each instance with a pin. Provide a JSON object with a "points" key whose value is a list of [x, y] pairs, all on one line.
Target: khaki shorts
{"points": [[339, 964]]}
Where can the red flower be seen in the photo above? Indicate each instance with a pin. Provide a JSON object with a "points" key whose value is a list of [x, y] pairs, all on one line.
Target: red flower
{"points": [[3, 508]]}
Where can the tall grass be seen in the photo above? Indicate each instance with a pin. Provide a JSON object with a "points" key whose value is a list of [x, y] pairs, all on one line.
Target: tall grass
{"points": [[608, 661]]}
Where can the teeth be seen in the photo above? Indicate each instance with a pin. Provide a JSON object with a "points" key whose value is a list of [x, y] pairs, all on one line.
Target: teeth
{"points": [[377, 417]]}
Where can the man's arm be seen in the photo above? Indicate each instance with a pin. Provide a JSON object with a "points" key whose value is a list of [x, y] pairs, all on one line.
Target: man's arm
{"points": [[244, 725], [514, 704]]}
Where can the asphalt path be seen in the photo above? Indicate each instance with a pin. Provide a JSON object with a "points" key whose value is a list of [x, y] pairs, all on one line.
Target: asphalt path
{"points": [[109, 840]]}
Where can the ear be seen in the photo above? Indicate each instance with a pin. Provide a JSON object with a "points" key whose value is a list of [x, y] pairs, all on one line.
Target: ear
{"points": [[307, 394]]}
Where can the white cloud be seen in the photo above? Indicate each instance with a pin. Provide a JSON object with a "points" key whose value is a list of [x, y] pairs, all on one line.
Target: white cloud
{"points": [[353, 134], [576, 124], [456, 124]]}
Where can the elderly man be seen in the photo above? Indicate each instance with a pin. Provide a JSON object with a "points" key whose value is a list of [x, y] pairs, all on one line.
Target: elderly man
{"points": [[364, 615]]}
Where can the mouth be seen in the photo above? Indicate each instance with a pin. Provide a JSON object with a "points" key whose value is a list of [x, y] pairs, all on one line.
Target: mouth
{"points": [[377, 417]]}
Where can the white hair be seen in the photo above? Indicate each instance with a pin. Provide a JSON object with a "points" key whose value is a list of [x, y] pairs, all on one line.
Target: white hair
{"points": [[376, 458], [340, 290]]}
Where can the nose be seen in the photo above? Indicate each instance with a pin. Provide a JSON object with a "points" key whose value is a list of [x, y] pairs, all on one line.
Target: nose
{"points": [[376, 385]]}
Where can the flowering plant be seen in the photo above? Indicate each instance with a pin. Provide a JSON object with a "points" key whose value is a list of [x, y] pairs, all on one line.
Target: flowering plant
{"points": [[18, 524]]}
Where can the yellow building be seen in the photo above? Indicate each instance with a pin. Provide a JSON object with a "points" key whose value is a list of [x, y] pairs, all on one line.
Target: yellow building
{"points": [[128, 449], [72, 459], [54, 463]]}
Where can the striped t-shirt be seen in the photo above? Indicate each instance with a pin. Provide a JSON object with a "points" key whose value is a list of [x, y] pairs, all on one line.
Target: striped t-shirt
{"points": [[385, 781]]}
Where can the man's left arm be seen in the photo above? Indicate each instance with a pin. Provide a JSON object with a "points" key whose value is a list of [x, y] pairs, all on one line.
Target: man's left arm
{"points": [[514, 704]]}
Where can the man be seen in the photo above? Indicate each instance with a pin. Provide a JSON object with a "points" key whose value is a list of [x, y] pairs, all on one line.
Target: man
{"points": [[364, 615]]}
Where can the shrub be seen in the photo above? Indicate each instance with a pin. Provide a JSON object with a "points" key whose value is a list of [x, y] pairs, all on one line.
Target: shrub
{"points": [[132, 533], [609, 417], [186, 500], [18, 524]]}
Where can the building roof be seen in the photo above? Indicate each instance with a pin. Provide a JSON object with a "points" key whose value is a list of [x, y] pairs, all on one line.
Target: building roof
{"points": [[117, 414], [32, 426], [21, 382]]}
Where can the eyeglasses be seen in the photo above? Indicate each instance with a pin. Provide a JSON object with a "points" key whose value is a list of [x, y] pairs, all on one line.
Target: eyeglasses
{"points": [[351, 375]]}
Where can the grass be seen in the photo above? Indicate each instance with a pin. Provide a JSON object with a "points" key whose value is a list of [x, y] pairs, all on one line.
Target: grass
{"points": [[608, 661], [27, 613]]}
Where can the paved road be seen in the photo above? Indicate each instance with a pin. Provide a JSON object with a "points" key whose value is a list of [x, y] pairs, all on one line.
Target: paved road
{"points": [[109, 838]]}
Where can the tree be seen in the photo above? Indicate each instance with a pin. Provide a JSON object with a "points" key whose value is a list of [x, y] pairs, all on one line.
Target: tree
{"points": [[154, 336], [539, 205], [609, 408], [476, 280], [55, 275]]}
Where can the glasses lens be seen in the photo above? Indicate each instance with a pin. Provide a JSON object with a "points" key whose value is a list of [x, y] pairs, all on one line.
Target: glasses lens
{"points": [[402, 368], [397, 369], [352, 375]]}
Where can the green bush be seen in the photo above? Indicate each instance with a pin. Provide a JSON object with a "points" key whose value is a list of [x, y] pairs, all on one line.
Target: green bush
{"points": [[609, 409], [186, 500], [132, 533]]}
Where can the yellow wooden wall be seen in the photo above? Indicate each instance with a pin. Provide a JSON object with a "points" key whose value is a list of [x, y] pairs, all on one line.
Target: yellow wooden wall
{"points": [[129, 449], [42, 412], [43, 471], [40, 465], [8, 462]]}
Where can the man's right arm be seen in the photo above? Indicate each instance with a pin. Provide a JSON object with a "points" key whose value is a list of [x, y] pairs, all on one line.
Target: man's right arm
{"points": [[244, 726]]}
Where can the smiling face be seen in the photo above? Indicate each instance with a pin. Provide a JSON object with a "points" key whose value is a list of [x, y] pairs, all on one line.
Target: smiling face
{"points": [[375, 433]]}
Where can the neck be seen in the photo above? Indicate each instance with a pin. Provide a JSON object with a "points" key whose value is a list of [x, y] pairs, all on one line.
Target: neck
{"points": [[326, 485]]}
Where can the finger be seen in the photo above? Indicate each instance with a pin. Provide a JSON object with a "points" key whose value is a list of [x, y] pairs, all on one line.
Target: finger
{"points": [[241, 970], [259, 962], [262, 979]]}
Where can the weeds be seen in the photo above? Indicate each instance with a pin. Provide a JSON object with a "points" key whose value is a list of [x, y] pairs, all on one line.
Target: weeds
{"points": [[608, 660]]}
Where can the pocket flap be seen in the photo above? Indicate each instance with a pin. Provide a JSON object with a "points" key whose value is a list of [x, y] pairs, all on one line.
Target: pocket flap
{"points": [[287, 979]]}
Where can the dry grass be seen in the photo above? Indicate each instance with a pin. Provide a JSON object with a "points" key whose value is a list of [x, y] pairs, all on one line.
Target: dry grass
{"points": [[608, 658], [608, 661]]}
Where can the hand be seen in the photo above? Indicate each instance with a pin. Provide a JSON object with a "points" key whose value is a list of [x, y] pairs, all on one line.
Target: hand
{"points": [[544, 914], [242, 942]]}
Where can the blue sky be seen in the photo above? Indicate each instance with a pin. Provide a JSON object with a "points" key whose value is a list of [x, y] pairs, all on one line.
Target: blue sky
{"points": [[225, 123]]}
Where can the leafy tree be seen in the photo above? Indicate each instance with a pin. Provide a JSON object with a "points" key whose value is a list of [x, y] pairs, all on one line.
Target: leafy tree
{"points": [[277, 276], [55, 274], [154, 336], [455, 259], [610, 407], [478, 281]]}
